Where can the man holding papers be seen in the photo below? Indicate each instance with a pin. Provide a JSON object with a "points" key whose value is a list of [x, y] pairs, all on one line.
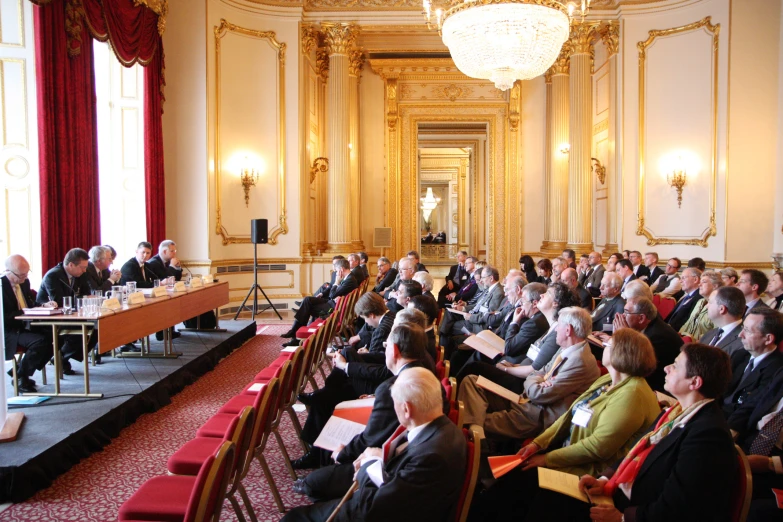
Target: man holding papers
{"points": [[404, 351], [548, 391], [378, 321], [416, 475]]}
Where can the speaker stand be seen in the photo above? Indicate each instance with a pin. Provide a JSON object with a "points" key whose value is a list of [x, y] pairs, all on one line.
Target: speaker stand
{"points": [[254, 291]]}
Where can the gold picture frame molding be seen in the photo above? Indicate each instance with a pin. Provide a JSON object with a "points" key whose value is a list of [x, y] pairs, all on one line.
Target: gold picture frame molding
{"points": [[220, 31], [711, 230]]}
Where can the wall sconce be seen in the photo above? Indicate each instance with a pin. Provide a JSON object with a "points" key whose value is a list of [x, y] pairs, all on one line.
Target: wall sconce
{"points": [[599, 170], [565, 148], [248, 177], [677, 178], [319, 165]]}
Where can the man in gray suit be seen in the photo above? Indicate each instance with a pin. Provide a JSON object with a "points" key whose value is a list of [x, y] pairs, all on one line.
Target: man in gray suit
{"points": [[452, 330], [591, 279], [725, 309], [611, 305], [550, 391]]}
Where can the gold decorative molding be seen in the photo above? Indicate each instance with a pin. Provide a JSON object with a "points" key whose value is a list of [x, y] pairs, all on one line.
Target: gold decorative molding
{"points": [[339, 37], [582, 37], [711, 230], [562, 63], [391, 103], [514, 107], [319, 165], [355, 62], [600, 170], [374, 5], [160, 8], [309, 38], [322, 64], [282, 222], [601, 126], [451, 91], [610, 35]]}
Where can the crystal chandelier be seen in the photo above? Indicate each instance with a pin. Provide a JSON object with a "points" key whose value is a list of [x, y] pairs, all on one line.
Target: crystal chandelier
{"points": [[503, 40], [428, 204]]}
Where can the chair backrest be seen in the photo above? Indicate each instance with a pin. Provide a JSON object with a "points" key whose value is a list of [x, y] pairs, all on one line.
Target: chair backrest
{"points": [[665, 306], [471, 474], [453, 382], [206, 499], [285, 389], [457, 413], [266, 418], [442, 369], [242, 437], [441, 354], [687, 339], [740, 504], [297, 365]]}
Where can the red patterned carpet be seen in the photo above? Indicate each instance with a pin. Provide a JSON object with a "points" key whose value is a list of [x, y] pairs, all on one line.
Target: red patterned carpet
{"points": [[94, 489]]}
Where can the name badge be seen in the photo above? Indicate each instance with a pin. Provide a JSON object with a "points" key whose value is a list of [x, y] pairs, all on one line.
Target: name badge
{"points": [[483, 309], [532, 353], [582, 416], [589, 285]]}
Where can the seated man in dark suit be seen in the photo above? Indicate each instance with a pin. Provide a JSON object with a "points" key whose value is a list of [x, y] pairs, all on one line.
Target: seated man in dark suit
{"points": [[417, 475], [456, 277], [467, 289], [405, 346], [356, 269], [406, 270], [363, 259], [324, 289], [413, 255], [753, 282], [378, 321], [571, 279], [639, 270], [68, 279], [611, 304], [651, 262], [136, 269], [624, 268], [754, 367], [166, 263], [725, 309], [311, 307], [757, 427], [386, 275], [691, 277], [37, 344], [100, 261]]}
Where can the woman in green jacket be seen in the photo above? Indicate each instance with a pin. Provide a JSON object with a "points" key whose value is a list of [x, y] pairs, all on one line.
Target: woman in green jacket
{"points": [[598, 429]]}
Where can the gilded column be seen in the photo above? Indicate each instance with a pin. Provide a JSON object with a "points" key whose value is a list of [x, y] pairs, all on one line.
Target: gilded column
{"points": [[610, 33], [356, 62], [339, 38], [322, 182], [580, 179], [556, 218]]}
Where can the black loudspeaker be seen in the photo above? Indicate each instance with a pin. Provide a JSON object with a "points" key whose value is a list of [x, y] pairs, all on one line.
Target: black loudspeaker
{"points": [[258, 231]]}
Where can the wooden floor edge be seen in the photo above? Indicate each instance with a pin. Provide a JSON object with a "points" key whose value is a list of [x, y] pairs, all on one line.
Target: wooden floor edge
{"points": [[13, 424]]}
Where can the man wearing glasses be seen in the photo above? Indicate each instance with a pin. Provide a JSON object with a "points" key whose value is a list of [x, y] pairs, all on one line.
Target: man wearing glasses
{"points": [[669, 283], [16, 297], [406, 271], [691, 277]]}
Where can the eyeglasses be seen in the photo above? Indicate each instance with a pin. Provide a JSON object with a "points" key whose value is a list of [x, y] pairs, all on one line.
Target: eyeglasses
{"points": [[20, 276], [628, 312], [673, 266]]}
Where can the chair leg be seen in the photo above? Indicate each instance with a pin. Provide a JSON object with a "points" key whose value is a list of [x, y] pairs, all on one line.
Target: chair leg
{"points": [[43, 375], [271, 481], [250, 511], [313, 384], [284, 451], [14, 376], [237, 508], [297, 427]]}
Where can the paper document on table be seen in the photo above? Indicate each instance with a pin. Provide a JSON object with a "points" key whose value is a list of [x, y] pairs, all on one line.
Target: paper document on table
{"points": [[459, 312], [497, 389], [568, 484], [43, 311], [336, 432], [487, 343]]}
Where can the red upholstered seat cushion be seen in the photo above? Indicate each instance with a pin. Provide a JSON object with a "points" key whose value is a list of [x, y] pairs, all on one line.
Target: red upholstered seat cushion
{"points": [[191, 456], [160, 498], [237, 403], [217, 425], [306, 331], [247, 389]]}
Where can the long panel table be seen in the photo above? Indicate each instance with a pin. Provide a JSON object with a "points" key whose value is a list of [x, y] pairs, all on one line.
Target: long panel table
{"points": [[132, 322]]}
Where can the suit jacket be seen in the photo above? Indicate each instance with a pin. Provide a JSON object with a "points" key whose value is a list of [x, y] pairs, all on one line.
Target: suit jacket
{"points": [[682, 311], [607, 309], [632, 278], [55, 286], [421, 484], [642, 271], [745, 386], [691, 474], [585, 298], [161, 269], [467, 291], [729, 343], [757, 304], [547, 348], [365, 270], [131, 271], [458, 276], [492, 301], [12, 326], [386, 282], [421, 268], [380, 333], [745, 419], [571, 377], [666, 342], [655, 273], [96, 279], [592, 280], [346, 286], [358, 274], [520, 337]]}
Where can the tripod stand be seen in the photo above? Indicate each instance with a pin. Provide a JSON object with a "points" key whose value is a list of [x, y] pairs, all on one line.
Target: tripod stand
{"points": [[254, 290]]}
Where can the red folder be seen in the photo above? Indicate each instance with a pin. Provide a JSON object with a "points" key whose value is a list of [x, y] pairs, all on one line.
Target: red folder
{"points": [[360, 415]]}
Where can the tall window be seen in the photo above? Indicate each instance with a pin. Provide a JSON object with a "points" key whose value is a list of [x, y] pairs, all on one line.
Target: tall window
{"points": [[119, 91]]}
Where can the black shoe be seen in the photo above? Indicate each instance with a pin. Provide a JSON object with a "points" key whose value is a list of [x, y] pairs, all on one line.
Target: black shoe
{"points": [[294, 309], [130, 347], [67, 370], [159, 336], [306, 398], [292, 342], [301, 487], [298, 303], [96, 356], [175, 334], [26, 385], [309, 460], [290, 334]]}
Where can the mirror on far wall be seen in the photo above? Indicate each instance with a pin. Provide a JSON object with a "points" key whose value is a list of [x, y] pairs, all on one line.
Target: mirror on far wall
{"points": [[434, 214]]}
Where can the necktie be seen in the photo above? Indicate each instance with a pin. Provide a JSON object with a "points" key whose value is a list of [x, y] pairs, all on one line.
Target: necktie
{"points": [[716, 339], [746, 311], [557, 362], [768, 436], [20, 297], [600, 306], [143, 275], [70, 282], [749, 367], [394, 442], [682, 303]]}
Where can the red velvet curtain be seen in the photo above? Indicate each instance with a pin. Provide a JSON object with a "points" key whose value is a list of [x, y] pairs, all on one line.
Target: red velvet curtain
{"points": [[66, 90], [67, 138]]}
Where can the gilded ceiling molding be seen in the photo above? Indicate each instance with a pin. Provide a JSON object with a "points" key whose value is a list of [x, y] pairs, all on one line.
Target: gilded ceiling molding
{"points": [[309, 38], [610, 35], [514, 107], [582, 37], [384, 5], [339, 37], [355, 62], [160, 8], [322, 64]]}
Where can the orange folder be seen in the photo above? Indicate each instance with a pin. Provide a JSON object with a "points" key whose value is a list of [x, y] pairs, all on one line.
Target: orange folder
{"points": [[503, 464], [360, 415]]}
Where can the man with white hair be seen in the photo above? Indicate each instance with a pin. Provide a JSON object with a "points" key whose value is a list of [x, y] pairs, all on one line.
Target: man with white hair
{"points": [[418, 472], [100, 261], [691, 277], [550, 390], [166, 263]]}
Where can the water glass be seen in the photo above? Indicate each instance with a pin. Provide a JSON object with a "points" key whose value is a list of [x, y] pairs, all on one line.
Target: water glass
{"points": [[80, 304], [67, 304], [131, 286], [156, 283], [97, 293]]}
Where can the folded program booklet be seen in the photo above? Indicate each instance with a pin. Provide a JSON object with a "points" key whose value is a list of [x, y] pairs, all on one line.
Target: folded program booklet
{"points": [[568, 484], [497, 389], [487, 343], [338, 431]]}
